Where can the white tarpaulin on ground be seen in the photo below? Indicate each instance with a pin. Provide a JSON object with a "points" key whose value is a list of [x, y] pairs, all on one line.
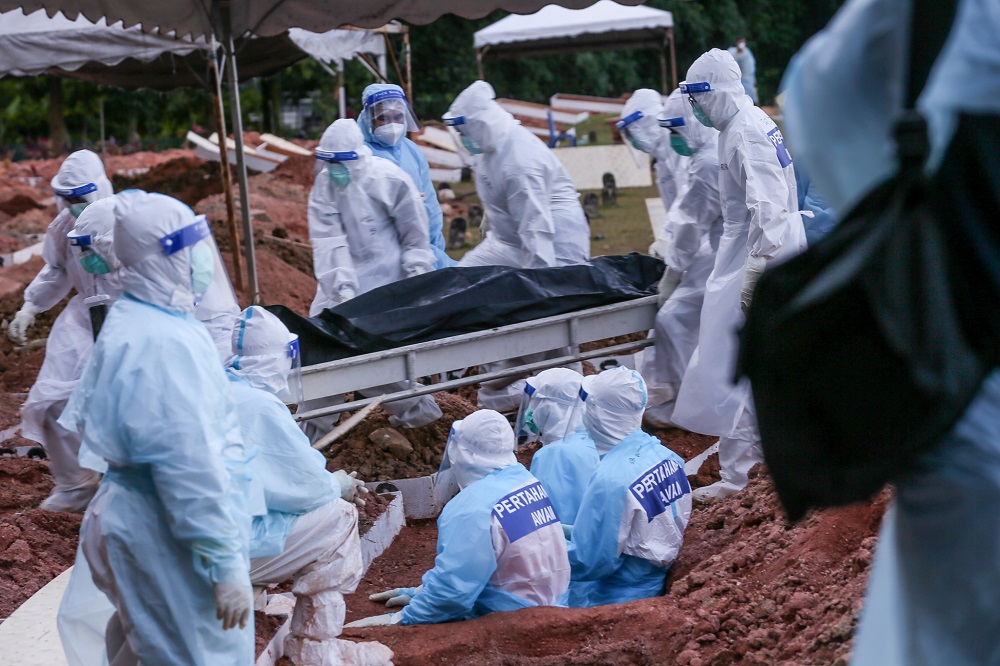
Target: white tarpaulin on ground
{"points": [[31, 44], [555, 22]]}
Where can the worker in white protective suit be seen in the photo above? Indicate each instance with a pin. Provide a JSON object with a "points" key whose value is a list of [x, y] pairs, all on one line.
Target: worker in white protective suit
{"points": [[761, 223], [638, 126], [696, 223], [534, 212], [533, 208], [368, 228], [385, 120], [157, 418], [931, 592], [630, 525], [500, 546], [309, 528], [552, 412], [80, 182]]}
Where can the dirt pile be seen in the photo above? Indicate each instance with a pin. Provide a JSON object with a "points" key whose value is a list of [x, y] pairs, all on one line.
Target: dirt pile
{"points": [[746, 589], [35, 546], [354, 451], [299, 169], [186, 178], [19, 203]]}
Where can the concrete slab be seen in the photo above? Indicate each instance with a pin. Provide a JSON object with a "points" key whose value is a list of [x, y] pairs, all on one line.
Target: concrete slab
{"points": [[588, 164]]}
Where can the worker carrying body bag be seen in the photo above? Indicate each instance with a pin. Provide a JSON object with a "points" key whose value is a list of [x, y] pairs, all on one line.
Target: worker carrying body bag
{"points": [[866, 349]]}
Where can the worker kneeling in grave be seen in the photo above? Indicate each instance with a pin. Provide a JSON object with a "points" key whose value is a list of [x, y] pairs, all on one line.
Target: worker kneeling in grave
{"points": [[630, 525], [500, 545], [307, 526]]}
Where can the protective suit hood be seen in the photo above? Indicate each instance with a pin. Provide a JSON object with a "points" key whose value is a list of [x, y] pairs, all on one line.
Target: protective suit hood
{"points": [[648, 104], [485, 121], [727, 96], [613, 404], [79, 169], [98, 222], [693, 132], [141, 221], [260, 350], [555, 402], [344, 135], [378, 96], [481, 443]]}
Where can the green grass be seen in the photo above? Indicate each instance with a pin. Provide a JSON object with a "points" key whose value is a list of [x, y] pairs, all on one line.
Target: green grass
{"points": [[625, 228], [597, 123]]}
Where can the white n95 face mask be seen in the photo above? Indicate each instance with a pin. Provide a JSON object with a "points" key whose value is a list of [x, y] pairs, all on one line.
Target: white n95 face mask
{"points": [[390, 134]]}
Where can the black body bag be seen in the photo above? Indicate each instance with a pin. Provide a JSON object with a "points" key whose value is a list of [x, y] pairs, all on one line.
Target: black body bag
{"points": [[867, 348]]}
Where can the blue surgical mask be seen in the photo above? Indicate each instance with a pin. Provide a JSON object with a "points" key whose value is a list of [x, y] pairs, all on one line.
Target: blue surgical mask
{"points": [[471, 146], [702, 117], [680, 146], [202, 268], [339, 174], [77, 208], [94, 264]]}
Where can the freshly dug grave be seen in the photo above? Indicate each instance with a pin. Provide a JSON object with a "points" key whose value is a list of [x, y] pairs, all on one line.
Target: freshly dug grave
{"points": [[746, 589], [355, 452]]}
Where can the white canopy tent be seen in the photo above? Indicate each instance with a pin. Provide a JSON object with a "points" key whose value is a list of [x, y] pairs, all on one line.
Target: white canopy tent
{"points": [[222, 21], [605, 25]]}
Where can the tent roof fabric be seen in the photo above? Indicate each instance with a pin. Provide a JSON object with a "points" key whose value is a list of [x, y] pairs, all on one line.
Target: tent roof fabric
{"points": [[605, 22], [194, 18], [31, 44]]}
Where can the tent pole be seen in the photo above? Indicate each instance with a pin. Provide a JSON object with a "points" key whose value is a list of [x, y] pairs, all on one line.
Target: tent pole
{"points": [[409, 64], [479, 64], [100, 109], [673, 57], [241, 167], [227, 178], [341, 91], [663, 68]]}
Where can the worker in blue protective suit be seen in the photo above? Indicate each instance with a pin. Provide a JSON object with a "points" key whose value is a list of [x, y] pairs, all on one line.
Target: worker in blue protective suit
{"points": [[385, 121], [309, 527], [761, 224], [931, 595], [79, 184], [157, 418], [696, 225], [551, 412], [500, 546], [632, 517], [748, 67]]}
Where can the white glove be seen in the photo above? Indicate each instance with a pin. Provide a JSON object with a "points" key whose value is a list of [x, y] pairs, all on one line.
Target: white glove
{"points": [[419, 269], [18, 329], [755, 268], [233, 602], [668, 283], [398, 596], [351, 487], [658, 249], [375, 621], [346, 294]]}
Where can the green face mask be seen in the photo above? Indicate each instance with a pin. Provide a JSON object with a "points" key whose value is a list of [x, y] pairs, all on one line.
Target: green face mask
{"points": [[94, 264], [77, 208], [339, 174], [471, 146], [680, 146], [699, 113], [529, 422]]}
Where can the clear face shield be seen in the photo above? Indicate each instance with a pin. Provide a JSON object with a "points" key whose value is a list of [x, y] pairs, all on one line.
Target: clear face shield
{"points": [[207, 267], [677, 141], [693, 91], [390, 116], [336, 165], [457, 126], [445, 481], [633, 137], [76, 199], [94, 264], [546, 418], [293, 394]]}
